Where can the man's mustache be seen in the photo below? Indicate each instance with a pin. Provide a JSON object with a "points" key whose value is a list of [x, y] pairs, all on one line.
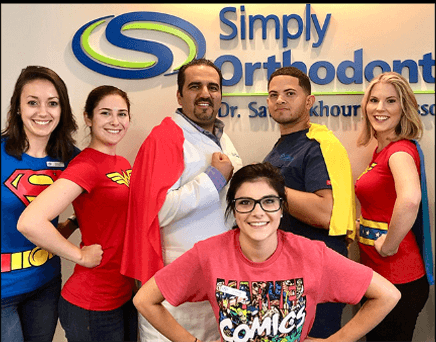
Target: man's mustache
{"points": [[204, 99]]}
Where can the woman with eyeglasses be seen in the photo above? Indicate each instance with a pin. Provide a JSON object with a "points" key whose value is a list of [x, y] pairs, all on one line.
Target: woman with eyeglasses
{"points": [[264, 283]]}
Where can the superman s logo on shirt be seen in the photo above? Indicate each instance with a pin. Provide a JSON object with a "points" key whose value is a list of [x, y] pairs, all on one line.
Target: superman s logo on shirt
{"points": [[27, 184]]}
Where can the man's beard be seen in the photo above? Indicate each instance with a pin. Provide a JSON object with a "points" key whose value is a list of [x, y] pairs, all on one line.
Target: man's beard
{"points": [[290, 118], [202, 114]]}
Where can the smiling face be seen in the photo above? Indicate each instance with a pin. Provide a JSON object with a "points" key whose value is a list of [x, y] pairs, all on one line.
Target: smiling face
{"points": [[384, 109], [109, 123], [201, 95], [289, 104], [258, 226], [40, 109]]}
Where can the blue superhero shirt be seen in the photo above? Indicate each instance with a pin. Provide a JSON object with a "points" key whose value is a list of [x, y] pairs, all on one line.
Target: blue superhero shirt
{"points": [[24, 267]]}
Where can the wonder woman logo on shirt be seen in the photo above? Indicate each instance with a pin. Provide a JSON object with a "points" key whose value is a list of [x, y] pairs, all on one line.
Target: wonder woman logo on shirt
{"points": [[120, 178], [27, 184]]}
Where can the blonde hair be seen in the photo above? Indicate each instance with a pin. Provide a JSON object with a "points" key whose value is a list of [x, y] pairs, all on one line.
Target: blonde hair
{"points": [[410, 125]]}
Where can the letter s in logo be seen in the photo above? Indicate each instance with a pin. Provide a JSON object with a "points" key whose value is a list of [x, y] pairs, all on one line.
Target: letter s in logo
{"points": [[142, 20]]}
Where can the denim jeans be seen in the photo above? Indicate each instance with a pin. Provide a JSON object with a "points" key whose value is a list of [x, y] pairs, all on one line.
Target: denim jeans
{"points": [[31, 316], [85, 325]]}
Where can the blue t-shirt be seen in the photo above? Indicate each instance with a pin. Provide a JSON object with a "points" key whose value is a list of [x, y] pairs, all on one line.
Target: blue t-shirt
{"points": [[24, 267], [302, 164]]}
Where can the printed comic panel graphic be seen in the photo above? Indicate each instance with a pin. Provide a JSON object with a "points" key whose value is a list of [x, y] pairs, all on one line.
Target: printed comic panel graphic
{"points": [[261, 310], [27, 184]]}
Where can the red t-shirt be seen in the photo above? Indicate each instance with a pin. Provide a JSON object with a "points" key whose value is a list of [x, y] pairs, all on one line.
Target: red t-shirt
{"points": [[375, 189], [277, 297], [101, 211]]}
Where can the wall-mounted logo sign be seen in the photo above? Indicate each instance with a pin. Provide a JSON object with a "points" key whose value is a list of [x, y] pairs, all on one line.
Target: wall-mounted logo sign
{"points": [[352, 70], [162, 22]]}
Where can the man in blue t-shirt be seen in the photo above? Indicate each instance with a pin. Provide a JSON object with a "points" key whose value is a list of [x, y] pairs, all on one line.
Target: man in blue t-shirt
{"points": [[302, 154]]}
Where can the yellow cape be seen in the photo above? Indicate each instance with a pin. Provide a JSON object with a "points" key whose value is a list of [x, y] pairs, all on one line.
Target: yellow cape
{"points": [[343, 220]]}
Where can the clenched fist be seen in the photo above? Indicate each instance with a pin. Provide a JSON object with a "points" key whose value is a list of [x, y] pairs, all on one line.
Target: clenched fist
{"points": [[223, 164], [91, 256]]}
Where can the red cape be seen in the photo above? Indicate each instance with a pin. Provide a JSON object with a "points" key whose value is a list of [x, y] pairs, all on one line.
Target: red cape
{"points": [[158, 165]]}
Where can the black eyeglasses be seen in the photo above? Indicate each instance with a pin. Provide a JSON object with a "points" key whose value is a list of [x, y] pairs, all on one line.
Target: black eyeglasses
{"points": [[269, 204]]}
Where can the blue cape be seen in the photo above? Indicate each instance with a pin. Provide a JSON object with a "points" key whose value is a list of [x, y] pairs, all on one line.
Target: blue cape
{"points": [[421, 227]]}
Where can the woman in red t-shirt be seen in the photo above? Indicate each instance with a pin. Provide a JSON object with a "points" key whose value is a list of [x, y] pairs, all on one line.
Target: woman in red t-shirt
{"points": [[389, 193], [263, 283]]}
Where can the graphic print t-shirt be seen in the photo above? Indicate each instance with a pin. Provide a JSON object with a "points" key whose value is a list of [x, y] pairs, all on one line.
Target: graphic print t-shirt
{"points": [[273, 299], [24, 266]]}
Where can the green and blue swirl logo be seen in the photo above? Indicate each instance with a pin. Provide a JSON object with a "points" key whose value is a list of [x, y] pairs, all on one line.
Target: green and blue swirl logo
{"points": [[154, 21]]}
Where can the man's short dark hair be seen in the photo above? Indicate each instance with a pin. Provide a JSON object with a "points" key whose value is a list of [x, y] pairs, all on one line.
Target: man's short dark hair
{"points": [[303, 79], [201, 61]]}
